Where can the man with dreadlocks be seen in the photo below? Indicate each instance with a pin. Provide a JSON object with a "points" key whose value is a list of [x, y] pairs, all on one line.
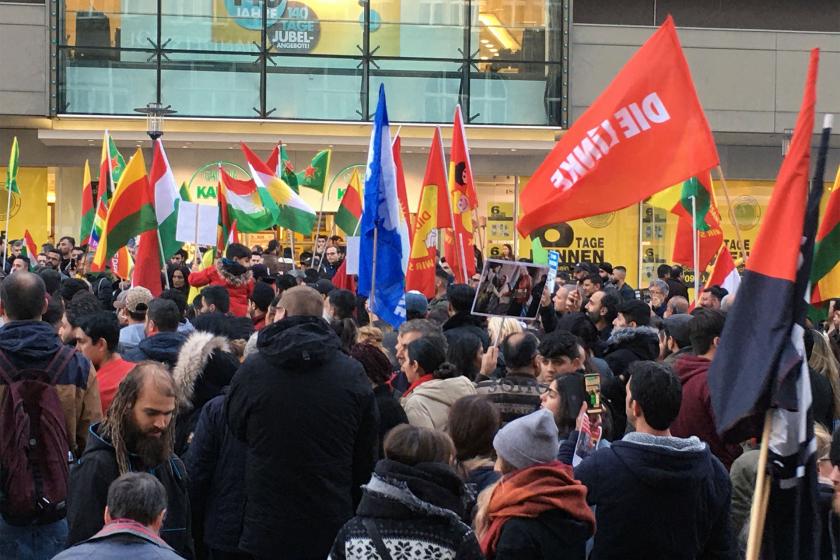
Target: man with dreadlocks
{"points": [[136, 435]]}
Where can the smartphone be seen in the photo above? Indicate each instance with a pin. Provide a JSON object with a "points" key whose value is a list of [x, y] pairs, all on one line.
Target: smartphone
{"points": [[592, 384]]}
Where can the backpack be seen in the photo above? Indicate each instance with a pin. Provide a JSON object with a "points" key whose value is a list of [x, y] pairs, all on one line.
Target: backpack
{"points": [[34, 449]]}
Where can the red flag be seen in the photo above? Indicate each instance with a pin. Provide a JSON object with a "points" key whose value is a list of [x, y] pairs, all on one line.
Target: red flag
{"points": [[709, 232], [342, 280], [645, 132], [402, 196], [233, 236], [432, 215], [147, 265], [458, 246]]}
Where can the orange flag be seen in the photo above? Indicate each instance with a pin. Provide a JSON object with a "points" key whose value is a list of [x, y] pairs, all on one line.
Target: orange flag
{"points": [[644, 133], [458, 245], [432, 214]]}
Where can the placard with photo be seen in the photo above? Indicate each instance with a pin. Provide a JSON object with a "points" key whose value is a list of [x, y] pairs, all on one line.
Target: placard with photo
{"points": [[510, 289]]}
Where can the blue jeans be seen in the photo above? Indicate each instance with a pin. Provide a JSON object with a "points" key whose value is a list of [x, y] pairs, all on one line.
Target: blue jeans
{"points": [[33, 542]]}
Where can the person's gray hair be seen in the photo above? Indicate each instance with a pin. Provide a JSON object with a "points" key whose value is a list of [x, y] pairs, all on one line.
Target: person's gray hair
{"points": [[423, 326], [136, 496], [661, 284]]}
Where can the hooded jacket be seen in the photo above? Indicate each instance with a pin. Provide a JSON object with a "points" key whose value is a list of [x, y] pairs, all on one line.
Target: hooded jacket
{"points": [[205, 366], [468, 323], [308, 417], [417, 511], [625, 346], [658, 497], [94, 472], [33, 344], [696, 417], [429, 403], [239, 288], [162, 347]]}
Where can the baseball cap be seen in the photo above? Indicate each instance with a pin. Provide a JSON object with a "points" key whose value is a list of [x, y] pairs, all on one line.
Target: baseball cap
{"points": [[324, 286], [137, 299], [415, 302], [119, 301]]}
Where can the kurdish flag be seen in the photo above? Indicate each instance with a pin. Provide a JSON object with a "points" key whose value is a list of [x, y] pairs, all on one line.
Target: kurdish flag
{"points": [[111, 166], [251, 210], [315, 174], [825, 271], [293, 212], [279, 162], [29, 249], [166, 201], [130, 213], [350, 211], [12, 171], [88, 210]]}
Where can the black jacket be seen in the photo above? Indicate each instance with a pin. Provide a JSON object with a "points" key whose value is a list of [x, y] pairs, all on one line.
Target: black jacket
{"points": [[469, 323], [624, 347], [420, 509], [308, 416], [161, 347], [552, 534], [391, 414], [94, 472], [658, 497], [216, 463]]}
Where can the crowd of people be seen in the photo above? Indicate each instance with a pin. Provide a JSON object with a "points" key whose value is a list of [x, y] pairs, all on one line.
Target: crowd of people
{"points": [[275, 416]]}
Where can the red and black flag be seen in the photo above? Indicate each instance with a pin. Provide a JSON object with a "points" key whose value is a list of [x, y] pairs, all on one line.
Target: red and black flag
{"points": [[760, 363]]}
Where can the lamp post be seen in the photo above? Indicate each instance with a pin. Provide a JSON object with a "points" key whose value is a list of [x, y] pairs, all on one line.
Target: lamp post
{"points": [[155, 114], [787, 136]]}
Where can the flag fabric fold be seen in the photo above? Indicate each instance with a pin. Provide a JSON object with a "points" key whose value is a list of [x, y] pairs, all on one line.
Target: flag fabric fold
{"points": [[350, 210], [279, 162], [709, 231], [130, 213], [724, 273], [245, 206], [11, 183], [29, 249], [402, 193], [825, 272], [166, 200], [760, 363], [147, 263], [383, 284], [88, 209], [458, 244], [645, 132], [111, 165], [432, 214], [314, 175]]}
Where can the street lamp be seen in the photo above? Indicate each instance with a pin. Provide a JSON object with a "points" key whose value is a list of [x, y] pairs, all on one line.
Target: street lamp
{"points": [[786, 138], [155, 113]]}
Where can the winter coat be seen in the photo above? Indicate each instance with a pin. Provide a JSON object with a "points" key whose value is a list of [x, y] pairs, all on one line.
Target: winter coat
{"points": [[391, 414], [130, 336], [162, 347], [658, 497], [102, 286], [417, 511], [625, 346], [205, 366], [469, 323], [94, 472], [216, 463], [552, 534], [696, 417], [479, 473], [239, 288], [742, 476], [121, 540], [822, 403], [33, 344], [429, 403], [308, 416], [676, 288], [514, 396]]}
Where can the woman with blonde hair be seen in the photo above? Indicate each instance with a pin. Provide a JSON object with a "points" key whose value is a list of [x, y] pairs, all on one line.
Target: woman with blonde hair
{"points": [[501, 327]]}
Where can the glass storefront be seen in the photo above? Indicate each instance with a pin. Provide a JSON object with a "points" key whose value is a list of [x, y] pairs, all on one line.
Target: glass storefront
{"points": [[504, 61]]}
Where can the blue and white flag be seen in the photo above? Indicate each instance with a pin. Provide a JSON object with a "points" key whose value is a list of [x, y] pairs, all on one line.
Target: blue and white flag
{"points": [[382, 214]]}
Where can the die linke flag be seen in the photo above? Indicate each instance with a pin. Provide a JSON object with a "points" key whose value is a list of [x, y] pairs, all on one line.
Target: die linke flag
{"points": [[432, 215], [645, 132]]}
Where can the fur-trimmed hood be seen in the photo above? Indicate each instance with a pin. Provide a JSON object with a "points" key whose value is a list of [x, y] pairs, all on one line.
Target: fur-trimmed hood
{"points": [[628, 334], [234, 279], [205, 366]]}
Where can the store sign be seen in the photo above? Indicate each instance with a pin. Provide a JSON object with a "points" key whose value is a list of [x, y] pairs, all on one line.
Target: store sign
{"points": [[297, 31], [248, 13], [204, 183]]}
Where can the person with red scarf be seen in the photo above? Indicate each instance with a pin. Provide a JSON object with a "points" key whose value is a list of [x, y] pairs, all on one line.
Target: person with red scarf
{"points": [[537, 510]]}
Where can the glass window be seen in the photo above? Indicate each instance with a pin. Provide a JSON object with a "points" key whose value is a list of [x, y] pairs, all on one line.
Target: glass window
{"points": [[109, 82], [109, 23], [515, 29], [315, 88], [210, 25], [223, 85], [515, 93], [419, 28], [417, 90]]}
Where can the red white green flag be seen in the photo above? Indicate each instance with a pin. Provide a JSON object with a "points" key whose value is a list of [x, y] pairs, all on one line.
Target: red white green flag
{"points": [[350, 211]]}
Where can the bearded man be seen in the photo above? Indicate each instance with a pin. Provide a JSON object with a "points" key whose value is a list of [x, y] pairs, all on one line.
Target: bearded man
{"points": [[136, 436]]}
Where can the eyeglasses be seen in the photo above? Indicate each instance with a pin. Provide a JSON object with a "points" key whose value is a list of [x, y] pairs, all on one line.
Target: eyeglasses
{"points": [[552, 394]]}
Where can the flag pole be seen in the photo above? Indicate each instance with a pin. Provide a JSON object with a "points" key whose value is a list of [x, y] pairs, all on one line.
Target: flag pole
{"points": [[8, 220], [324, 250], [373, 269], [162, 257], [732, 213], [292, 244], [758, 511], [695, 248], [463, 257], [515, 216]]}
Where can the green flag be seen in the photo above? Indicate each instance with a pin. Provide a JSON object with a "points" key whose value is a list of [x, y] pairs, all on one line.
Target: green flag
{"points": [[184, 192], [11, 172], [288, 170], [315, 174], [117, 161]]}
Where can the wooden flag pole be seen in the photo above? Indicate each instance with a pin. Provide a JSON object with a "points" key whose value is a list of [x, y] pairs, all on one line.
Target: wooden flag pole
{"points": [[162, 258], [8, 220], [758, 511], [695, 248], [732, 213]]}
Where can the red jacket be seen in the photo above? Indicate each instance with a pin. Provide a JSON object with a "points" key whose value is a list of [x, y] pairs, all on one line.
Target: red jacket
{"points": [[239, 288], [696, 417]]}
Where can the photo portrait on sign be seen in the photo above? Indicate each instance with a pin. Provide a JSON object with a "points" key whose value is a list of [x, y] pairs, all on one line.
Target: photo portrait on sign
{"points": [[512, 289]]}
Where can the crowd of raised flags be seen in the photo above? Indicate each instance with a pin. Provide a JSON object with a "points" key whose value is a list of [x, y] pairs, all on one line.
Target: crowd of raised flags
{"points": [[645, 137]]}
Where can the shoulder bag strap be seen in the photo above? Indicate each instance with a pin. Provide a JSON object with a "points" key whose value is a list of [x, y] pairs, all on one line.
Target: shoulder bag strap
{"points": [[6, 368], [59, 362], [376, 538]]}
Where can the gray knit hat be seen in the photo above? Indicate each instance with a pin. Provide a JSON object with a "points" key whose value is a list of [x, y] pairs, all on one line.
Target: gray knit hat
{"points": [[528, 440]]}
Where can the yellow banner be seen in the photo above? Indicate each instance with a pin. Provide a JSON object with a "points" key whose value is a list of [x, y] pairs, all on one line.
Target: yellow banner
{"points": [[29, 210]]}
